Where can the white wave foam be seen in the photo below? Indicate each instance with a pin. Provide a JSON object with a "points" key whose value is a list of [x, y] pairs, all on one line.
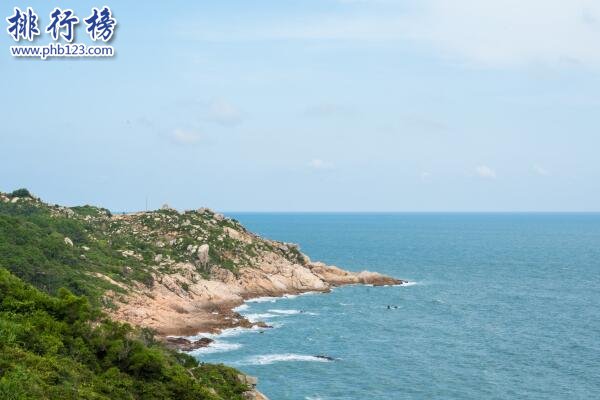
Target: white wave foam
{"points": [[241, 307], [273, 358], [230, 332], [285, 312], [259, 317], [409, 284], [270, 299], [262, 300], [309, 293], [217, 346]]}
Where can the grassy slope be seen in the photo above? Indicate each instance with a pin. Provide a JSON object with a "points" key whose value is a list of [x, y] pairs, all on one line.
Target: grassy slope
{"points": [[59, 343], [59, 347], [32, 245]]}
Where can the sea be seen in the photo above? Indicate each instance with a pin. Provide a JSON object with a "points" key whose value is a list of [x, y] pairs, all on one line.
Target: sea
{"points": [[498, 306]]}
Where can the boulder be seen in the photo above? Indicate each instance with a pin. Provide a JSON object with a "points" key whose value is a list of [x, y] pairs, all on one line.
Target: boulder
{"points": [[68, 242], [202, 254], [219, 217], [251, 381], [184, 344]]}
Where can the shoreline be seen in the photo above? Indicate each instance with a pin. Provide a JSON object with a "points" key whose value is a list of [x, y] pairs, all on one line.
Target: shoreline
{"points": [[189, 340]]}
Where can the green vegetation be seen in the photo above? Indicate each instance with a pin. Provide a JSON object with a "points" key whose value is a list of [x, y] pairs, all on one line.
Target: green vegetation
{"points": [[61, 348], [84, 248], [21, 193], [60, 267], [57, 266], [32, 246]]}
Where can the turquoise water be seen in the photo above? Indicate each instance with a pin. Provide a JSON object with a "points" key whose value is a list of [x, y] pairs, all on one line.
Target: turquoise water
{"points": [[504, 306]]}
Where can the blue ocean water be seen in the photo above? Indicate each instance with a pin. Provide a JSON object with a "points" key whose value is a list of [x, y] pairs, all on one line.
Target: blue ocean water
{"points": [[503, 306]]}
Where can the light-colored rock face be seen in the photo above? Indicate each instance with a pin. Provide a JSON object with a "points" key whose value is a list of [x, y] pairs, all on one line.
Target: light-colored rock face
{"points": [[203, 254], [68, 242], [184, 302], [206, 264]]}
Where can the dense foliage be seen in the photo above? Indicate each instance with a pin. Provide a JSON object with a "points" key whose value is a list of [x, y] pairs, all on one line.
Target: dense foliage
{"points": [[33, 247], [59, 347], [56, 264]]}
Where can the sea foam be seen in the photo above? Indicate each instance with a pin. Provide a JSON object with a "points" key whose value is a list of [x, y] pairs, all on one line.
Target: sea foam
{"points": [[217, 346], [285, 312], [267, 359]]}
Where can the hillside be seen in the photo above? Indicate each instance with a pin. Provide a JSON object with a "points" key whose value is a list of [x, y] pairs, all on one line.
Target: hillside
{"points": [[63, 348], [174, 272]]}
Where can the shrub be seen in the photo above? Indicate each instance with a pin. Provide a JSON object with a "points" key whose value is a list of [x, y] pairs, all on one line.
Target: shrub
{"points": [[21, 193]]}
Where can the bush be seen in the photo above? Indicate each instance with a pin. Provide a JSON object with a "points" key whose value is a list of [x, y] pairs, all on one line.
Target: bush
{"points": [[21, 193], [63, 349]]}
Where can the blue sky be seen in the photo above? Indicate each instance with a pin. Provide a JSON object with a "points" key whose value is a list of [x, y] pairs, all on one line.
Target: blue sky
{"points": [[316, 105]]}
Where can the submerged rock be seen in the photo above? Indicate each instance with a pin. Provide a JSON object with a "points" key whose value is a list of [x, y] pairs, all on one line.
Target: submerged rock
{"points": [[328, 358], [184, 344]]}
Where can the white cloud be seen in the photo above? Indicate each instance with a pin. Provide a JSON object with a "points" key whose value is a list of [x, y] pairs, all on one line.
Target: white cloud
{"points": [[512, 32], [493, 33], [181, 136], [320, 164], [538, 169], [224, 113], [485, 172]]}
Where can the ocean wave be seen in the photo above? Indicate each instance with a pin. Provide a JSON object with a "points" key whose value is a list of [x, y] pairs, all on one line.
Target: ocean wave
{"points": [[267, 359], [259, 317], [285, 312], [262, 300], [217, 346], [230, 332], [241, 307], [409, 284], [292, 312], [271, 299]]}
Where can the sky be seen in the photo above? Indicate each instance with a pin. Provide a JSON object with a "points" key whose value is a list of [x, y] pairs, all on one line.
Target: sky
{"points": [[313, 105]]}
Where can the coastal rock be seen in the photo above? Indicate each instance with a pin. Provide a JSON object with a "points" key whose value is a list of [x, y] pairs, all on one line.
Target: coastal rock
{"points": [[207, 269], [377, 279], [323, 357], [68, 242], [203, 255], [251, 382], [184, 344], [248, 380], [337, 276]]}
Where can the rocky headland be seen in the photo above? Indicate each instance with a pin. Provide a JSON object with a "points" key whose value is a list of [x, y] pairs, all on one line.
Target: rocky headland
{"points": [[180, 273], [174, 273], [199, 294]]}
